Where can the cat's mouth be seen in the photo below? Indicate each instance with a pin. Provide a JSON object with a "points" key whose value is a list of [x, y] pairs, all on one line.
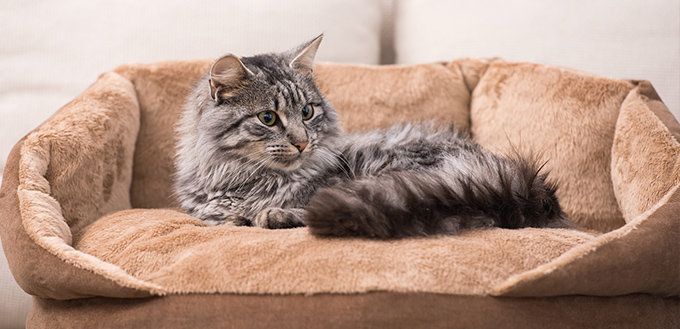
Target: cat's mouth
{"points": [[286, 158]]}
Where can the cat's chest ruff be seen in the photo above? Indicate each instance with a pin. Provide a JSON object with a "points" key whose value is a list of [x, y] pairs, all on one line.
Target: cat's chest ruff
{"points": [[275, 188], [294, 189]]}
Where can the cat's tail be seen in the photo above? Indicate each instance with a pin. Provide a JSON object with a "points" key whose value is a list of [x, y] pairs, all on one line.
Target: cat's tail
{"points": [[508, 194]]}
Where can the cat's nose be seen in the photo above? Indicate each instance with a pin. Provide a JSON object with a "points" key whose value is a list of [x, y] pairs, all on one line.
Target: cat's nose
{"points": [[301, 146]]}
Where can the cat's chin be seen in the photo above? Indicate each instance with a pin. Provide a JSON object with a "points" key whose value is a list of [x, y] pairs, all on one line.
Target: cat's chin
{"points": [[286, 165]]}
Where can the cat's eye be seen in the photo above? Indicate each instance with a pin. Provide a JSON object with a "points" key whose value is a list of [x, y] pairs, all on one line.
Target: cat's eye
{"points": [[267, 117], [307, 112]]}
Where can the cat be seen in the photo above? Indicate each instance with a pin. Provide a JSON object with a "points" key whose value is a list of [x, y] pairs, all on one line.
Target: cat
{"points": [[259, 145]]}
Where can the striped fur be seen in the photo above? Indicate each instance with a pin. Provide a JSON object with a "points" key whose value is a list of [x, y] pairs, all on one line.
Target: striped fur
{"points": [[406, 180]]}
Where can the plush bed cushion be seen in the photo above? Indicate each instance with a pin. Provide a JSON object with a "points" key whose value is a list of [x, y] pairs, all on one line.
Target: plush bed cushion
{"points": [[182, 254], [351, 311], [70, 185]]}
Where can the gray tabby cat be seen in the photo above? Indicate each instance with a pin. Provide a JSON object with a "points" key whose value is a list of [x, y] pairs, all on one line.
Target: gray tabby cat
{"points": [[260, 146]]}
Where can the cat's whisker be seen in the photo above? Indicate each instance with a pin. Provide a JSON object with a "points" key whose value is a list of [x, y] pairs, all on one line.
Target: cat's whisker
{"points": [[247, 165], [336, 156], [251, 155], [254, 157], [325, 157], [340, 156], [223, 172], [264, 162], [261, 165], [239, 178], [336, 164]]}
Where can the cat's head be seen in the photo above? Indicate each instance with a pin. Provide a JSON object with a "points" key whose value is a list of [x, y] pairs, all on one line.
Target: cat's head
{"points": [[266, 109]]}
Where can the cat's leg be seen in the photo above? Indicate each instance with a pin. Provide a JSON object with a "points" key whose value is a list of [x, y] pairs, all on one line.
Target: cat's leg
{"points": [[216, 208], [276, 218]]}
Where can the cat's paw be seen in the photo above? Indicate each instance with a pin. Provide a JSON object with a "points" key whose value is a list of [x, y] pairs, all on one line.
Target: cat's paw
{"points": [[276, 218], [228, 220], [240, 221]]}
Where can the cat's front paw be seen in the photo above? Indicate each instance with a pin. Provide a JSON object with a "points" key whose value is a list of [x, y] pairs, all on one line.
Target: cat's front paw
{"points": [[276, 218], [234, 220]]}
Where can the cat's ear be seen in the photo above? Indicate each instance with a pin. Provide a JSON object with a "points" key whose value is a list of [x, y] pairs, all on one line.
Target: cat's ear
{"points": [[226, 75], [303, 55]]}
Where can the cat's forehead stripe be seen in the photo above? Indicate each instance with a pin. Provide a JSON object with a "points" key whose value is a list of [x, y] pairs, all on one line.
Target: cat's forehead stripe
{"points": [[301, 95], [281, 93], [296, 92], [290, 94]]}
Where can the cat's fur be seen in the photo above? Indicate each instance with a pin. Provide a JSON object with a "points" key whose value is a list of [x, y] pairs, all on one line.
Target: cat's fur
{"points": [[407, 180]]}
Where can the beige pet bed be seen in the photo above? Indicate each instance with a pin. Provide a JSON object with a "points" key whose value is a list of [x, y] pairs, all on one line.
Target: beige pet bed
{"points": [[89, 228]]}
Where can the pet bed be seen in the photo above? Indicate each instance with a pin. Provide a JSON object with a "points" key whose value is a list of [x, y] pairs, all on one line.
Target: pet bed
{"points": [[91, 229]]}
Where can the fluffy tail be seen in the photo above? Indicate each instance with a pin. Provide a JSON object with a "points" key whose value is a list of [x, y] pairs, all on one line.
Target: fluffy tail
{"points": [[511, 194]]}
